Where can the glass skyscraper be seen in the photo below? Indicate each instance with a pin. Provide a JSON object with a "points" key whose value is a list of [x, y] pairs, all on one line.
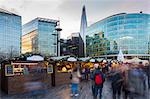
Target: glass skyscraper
{"points": [[10, 34], [83, 27], [40, 37], [129, 32], [83, 24]]}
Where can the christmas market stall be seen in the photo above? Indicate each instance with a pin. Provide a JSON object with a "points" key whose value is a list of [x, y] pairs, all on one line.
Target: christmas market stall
{"points": [[32, 75], [88, 62], [62, 69]]}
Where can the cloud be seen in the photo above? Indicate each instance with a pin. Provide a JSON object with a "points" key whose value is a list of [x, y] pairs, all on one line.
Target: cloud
{"points": [[69, 11]]}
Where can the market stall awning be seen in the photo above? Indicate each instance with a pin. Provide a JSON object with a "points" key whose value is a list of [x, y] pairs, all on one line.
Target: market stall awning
{"points": [[72, 59], [59, 58], [135, 60], [100, 59], [35, 58], [92, 60], [84, 59]]}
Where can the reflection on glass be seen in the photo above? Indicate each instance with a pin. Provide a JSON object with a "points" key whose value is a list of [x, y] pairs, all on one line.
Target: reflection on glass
{"points": [[130, 32]]}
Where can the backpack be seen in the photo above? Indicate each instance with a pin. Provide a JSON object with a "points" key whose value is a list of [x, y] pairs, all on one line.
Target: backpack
{"points": [[98, 79]]}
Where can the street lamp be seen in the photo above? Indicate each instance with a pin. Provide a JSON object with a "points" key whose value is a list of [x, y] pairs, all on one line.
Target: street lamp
{"points": [[58, 29]]}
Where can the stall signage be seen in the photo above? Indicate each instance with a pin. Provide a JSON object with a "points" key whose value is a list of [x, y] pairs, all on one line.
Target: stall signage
{"points": [[49, 68], [9, 70]]}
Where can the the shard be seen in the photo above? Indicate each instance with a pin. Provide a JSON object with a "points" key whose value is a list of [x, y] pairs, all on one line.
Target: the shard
{"points": [[83, 26]]}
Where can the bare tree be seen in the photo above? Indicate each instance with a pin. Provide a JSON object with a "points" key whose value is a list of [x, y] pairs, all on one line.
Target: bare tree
{"points": [[2, 55], [12, 52]]}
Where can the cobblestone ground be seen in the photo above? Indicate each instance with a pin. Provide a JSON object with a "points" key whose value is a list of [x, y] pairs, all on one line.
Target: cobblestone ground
{"points": [[63, 92]]}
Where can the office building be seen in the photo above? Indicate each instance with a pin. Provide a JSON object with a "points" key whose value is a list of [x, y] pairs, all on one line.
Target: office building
{"points": [[73, 45], [40, 36], [10, 34], [83, 27], [129, 32], [97, 45]]}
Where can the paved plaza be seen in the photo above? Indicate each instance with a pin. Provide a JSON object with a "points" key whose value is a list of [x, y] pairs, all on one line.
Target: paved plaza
{"points": [[63, 92]]}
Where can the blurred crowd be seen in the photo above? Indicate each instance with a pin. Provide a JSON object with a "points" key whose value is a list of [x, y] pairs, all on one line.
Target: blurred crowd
{"points": [[128, 80], [132, 80]]}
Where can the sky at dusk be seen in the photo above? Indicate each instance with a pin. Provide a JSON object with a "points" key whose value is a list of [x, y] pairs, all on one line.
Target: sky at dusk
{"points": [[69, 11]]}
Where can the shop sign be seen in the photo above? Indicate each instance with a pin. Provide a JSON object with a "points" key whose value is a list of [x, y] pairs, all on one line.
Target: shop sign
{"points": [[9, 70], [49, 68]]}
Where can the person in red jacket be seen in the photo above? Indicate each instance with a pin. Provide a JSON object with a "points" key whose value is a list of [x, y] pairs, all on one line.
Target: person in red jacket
{"points": [[98, 80]]}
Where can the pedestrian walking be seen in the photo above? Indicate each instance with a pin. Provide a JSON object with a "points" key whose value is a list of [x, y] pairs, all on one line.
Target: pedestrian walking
{"points": [[83, 73], [98, 80], [75, 81], [146, 69], [134, 84], [148, 75], [87, 71], [117, 83]]}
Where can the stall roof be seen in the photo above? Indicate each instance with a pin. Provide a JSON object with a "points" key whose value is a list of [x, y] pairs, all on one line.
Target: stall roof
{"points": [[24, 63], [100, 59], [136, 60], [84, 59], [72, 59], [59, 58], [35, 58]]}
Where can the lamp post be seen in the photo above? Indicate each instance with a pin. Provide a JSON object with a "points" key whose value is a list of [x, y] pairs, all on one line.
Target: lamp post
{"points": [[58, 29]]}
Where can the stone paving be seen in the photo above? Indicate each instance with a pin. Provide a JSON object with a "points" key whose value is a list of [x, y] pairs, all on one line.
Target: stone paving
{"points": [[63, 92]]}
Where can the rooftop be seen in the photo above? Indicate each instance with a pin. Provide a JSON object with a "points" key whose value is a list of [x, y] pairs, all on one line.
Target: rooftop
{"points": [[41, 19], [7, 12], [73, 35], [46, 20], [114, 16]]}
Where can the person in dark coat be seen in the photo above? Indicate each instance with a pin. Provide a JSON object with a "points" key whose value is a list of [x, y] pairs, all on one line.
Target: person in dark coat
{"points": [[117, 83], [146, 69], [134, 82], [87, 72]]}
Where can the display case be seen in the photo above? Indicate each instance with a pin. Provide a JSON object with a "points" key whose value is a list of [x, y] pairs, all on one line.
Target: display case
{"points": [[64, 67]]}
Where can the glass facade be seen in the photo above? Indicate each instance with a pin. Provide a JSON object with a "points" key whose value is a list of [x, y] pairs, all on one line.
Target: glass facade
{"points": [[83, 25], [130, 32], [10, 34], [41, 36], [29, 42], [97, 45]]}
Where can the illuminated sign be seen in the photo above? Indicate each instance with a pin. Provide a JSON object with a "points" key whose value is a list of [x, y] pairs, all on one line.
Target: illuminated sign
{"points": [[49, 68], [9, 70]]}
